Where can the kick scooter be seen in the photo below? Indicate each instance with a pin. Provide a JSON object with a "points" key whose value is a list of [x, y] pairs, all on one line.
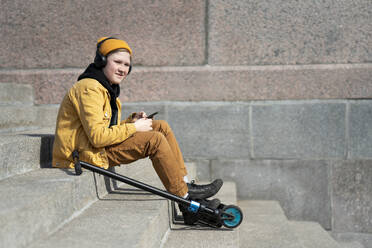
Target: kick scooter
{"points": [[229, 216]]}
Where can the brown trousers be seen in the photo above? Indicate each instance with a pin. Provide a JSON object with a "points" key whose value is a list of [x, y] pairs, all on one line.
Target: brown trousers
{"points": [[162, 148]]}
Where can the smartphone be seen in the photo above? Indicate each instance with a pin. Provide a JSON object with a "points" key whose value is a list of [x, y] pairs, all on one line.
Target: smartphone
{"points": [[152, 115]]}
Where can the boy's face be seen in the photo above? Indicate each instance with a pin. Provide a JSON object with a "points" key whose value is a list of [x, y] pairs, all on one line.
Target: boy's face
{"points": [[117, 67]]}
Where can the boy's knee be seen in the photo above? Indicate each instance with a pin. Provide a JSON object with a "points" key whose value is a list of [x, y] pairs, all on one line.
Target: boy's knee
{"points": [[160, 125], [157, 135], [157, 142], [157, 138]]}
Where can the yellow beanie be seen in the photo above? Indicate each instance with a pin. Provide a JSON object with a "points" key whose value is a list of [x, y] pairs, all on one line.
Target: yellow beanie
{"points": [[112, 44]]}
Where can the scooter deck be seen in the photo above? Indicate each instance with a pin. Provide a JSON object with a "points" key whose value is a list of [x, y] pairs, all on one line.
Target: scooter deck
{"points": [[205, 221]]}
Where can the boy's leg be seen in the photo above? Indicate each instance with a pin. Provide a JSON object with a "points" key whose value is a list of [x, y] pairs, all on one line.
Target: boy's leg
{"points": [[155, 145], [164, 128], [198, 191]]}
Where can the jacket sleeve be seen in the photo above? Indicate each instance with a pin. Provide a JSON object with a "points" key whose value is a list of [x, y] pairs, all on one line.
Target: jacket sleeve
{"points": [[129, 118], [89, 103]]}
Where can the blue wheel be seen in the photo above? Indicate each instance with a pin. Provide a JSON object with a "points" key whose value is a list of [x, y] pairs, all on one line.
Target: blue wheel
{"points": [[231, 216]]}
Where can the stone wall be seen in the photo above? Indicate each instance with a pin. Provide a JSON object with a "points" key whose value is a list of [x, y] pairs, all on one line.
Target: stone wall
{"points": [[195, 50], [272, 94]]}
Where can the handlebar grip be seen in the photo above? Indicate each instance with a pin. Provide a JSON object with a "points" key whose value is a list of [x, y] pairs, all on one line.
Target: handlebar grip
{"points": [[75, 156]]}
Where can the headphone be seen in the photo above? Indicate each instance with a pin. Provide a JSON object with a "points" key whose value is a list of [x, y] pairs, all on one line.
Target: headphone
{"points": [[100, 60]]}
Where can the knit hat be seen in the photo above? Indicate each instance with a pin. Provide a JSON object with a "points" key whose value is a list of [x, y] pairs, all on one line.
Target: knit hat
{"points": [[112, 44]]}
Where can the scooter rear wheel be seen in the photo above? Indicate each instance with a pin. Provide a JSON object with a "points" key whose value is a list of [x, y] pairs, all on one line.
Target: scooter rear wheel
{"points": [[231, 216]]}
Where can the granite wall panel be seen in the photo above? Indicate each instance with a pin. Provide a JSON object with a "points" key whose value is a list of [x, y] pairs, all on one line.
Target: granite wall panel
{"points": [[299, 130], [289, 32], [352, 196], [205, 83], [360, 130], [211, 130], [60, 34]]}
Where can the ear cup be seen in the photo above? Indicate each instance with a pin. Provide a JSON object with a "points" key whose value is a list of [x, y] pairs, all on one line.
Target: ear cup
{"points": [[100, 60]]}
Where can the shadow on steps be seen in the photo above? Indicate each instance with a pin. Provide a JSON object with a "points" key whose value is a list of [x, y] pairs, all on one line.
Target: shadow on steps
{"points": [[46, 149]]}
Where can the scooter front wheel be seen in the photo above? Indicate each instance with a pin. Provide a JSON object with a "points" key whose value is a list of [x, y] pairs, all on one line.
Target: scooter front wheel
{"points": [[232, 216]]}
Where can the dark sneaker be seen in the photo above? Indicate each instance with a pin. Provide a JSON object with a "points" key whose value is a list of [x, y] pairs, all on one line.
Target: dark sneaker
{"points": [[204, 191]]}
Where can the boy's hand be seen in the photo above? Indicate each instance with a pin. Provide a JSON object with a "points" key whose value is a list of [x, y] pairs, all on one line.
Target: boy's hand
{"points": [[137, 116], [143, 125]]}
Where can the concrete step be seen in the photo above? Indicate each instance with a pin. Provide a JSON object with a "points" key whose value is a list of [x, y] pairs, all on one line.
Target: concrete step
{"points": [[37, 203], [16, 94], [312, 235], [127, 217], [352, 244], [47, 115], [18, 118], [353, 240], [118, 220], [24, 152], [266, 226], [18, 112], [183, 236]]}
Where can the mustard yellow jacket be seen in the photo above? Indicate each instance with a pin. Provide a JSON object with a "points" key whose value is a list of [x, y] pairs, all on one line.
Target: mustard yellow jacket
{"points": [[83, 124]]}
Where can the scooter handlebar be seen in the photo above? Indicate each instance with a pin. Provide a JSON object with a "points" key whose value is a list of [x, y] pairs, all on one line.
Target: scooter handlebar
{"points": [[77, 165]]}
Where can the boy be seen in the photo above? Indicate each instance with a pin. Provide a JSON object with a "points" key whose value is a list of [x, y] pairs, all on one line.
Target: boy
{"points": [[89, 121]]}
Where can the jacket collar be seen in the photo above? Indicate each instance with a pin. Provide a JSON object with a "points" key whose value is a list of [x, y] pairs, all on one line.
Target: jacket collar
{"points": [[114, 90]]}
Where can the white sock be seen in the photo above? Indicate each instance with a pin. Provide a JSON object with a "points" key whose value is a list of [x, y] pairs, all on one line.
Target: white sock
{"points": [[186, 179]]}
